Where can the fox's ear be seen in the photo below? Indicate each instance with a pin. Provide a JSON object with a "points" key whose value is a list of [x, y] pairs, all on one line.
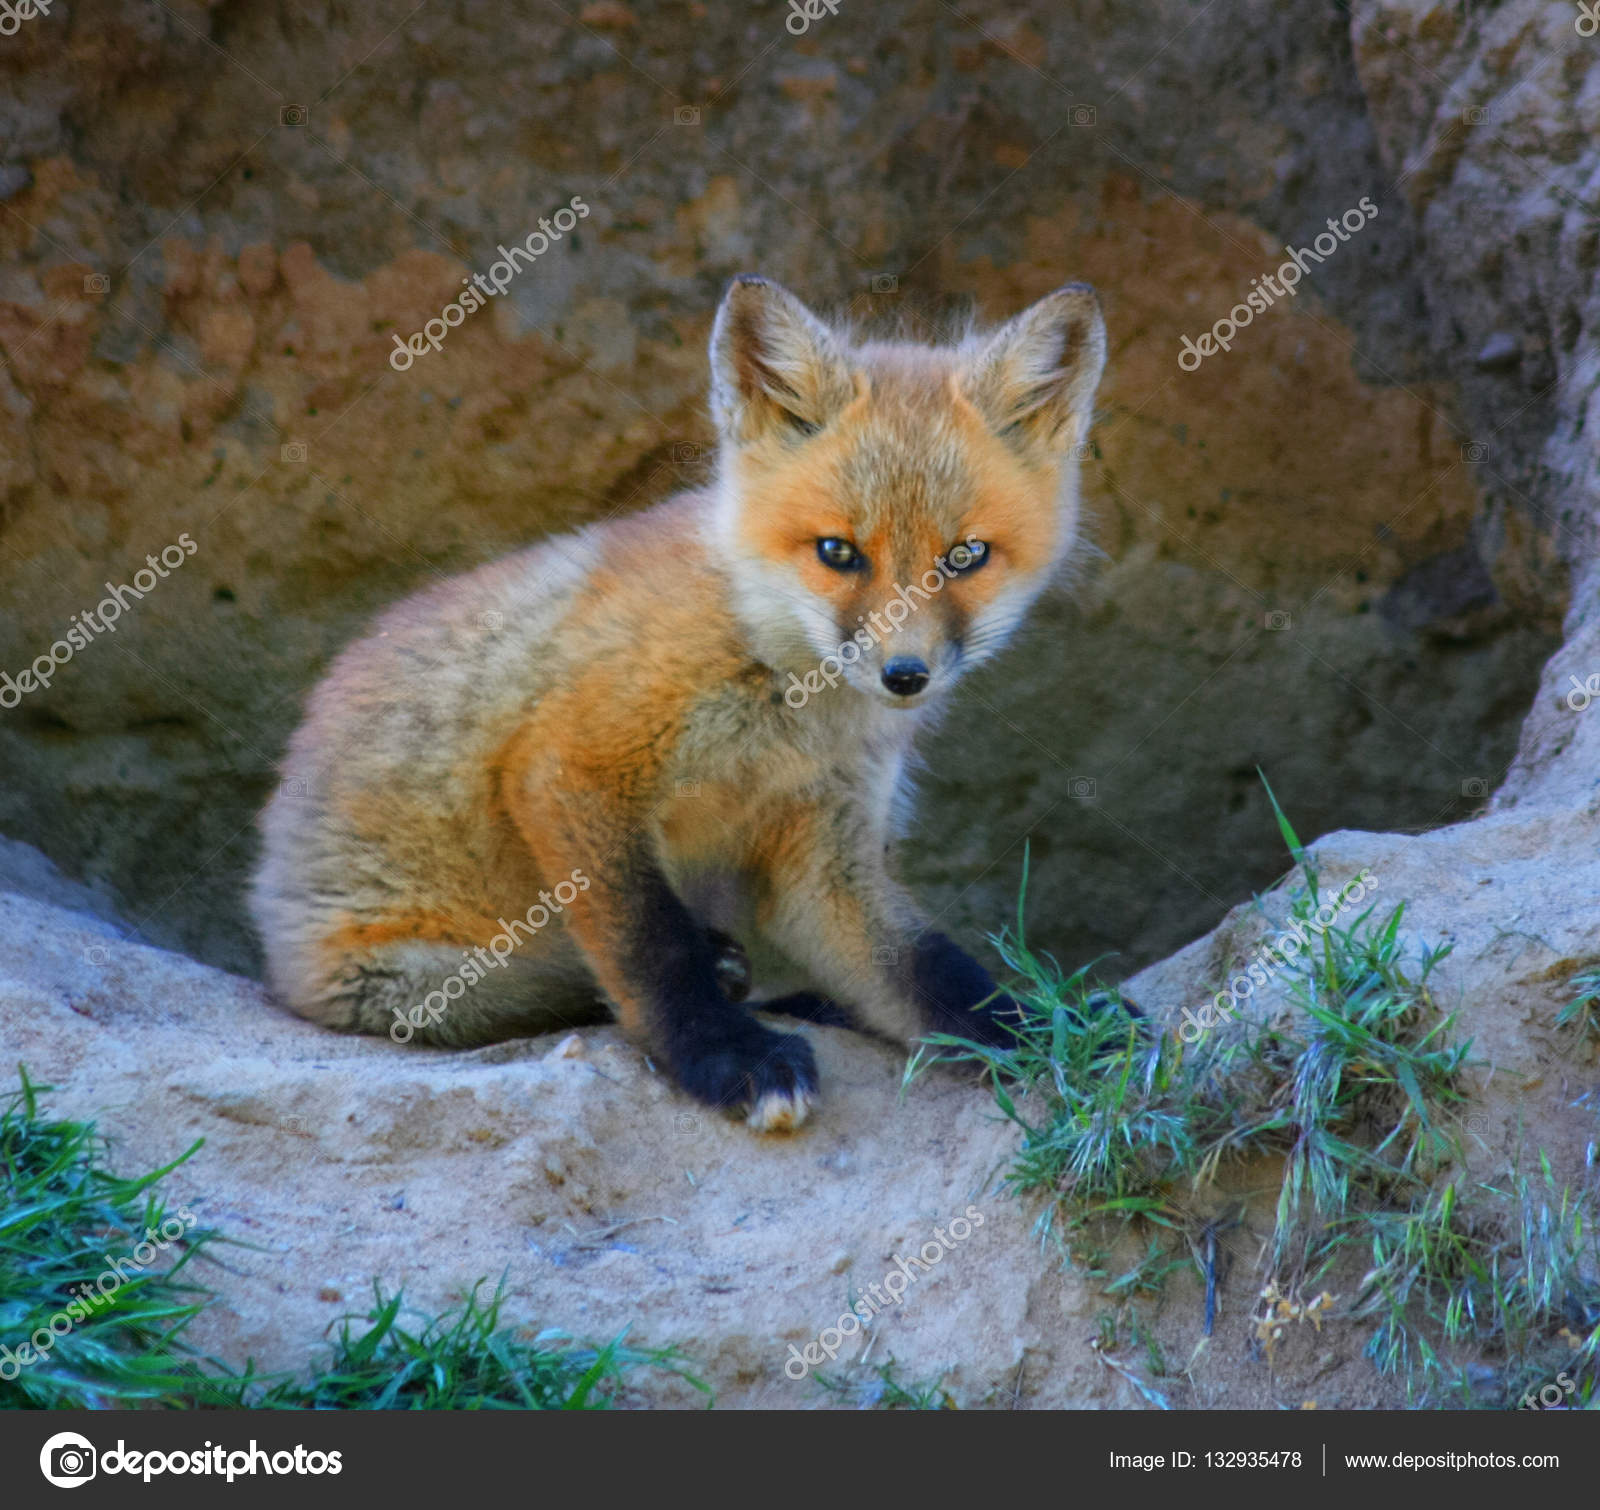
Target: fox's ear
{"points": [[1034, 379], [773, 364]]}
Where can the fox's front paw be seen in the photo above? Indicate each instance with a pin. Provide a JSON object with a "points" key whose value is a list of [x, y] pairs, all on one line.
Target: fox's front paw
{"points": [[951, 985], [742, 1066], [995, 1023]]}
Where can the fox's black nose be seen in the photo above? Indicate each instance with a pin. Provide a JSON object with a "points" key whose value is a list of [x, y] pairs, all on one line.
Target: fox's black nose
{"points": [[905, 676]]}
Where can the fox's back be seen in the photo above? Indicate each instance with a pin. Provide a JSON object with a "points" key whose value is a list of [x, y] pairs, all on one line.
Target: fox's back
{"points": [[392, 780]]}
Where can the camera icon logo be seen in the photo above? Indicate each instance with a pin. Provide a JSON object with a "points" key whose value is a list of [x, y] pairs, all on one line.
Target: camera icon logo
{"points": [[1278, 619], [96, 954], [1475, 116], [294, 450], [292, 115], [96, 283], [686, 115], [1083, 115], [885, 954], [688, 788], [68, 1460], [1474, 786], [1082, 788], [1474, 451], [685, 450], [492, 620], [884, 283]]}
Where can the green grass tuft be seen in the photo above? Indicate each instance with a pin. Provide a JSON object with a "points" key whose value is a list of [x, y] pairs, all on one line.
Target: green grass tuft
{"points": [[465, 1360], [1584, 1008], [1368, 1067], [62, 1215], [1508, 1272], [65, 1218], [1349, 1087]]}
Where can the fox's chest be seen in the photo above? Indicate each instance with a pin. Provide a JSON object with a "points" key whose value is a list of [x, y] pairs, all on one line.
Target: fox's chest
{"points": [[731, 825], [718, 817], [752, 781]]}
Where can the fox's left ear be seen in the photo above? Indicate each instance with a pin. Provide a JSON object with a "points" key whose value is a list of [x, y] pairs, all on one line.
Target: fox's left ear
{"points": [[1034, 379]]}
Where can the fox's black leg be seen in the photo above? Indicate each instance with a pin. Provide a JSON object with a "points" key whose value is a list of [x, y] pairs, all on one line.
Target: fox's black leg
{"points": [[949, 984], [1101, 1002], [648, 953], [715, 1050]]}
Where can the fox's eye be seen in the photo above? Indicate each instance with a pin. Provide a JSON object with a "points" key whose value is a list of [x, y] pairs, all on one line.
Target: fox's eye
{"points": [[841, 555], [967, 557]]}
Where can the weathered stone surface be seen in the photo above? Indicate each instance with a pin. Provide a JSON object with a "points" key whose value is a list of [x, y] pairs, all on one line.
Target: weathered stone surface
{"points": [[605, 1198]]}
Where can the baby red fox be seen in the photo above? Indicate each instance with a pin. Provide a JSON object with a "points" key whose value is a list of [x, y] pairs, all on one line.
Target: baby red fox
{"points": [[660, 734]]}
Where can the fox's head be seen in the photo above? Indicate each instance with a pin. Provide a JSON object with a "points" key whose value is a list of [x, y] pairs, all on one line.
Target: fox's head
{"points": [[888, 512]]}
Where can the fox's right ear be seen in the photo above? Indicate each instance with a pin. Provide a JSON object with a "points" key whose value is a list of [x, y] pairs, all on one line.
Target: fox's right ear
{"points": [[774, 364]]}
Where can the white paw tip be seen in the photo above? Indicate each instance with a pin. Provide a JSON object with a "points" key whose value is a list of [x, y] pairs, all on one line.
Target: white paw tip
{"points": [[780, 1111]]}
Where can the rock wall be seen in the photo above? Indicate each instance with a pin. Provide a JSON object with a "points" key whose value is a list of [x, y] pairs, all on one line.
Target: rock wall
{"points": [[217, 219]]}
